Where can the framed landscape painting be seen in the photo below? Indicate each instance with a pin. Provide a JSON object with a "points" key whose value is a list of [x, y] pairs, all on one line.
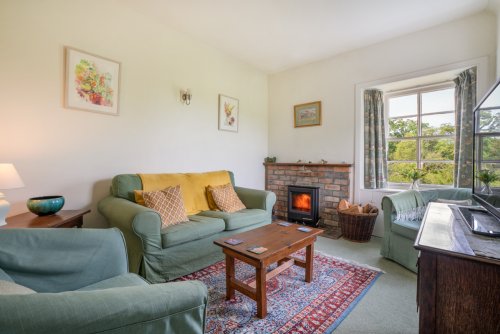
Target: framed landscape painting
{"points": [[307, 114], [228, 113], [92, 83]]}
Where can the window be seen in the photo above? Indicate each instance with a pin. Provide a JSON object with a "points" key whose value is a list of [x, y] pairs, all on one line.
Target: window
{"points": [[488, 140], [421, 133]]}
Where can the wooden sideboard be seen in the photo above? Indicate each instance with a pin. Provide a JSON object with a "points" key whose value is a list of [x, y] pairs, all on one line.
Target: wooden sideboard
{"points": [[458, 291]]}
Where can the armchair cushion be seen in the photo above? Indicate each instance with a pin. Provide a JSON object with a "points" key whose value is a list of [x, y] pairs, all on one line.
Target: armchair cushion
{"points": [[11, 288], [406, 228], [121, 281], [4, 276], [236, 220]]}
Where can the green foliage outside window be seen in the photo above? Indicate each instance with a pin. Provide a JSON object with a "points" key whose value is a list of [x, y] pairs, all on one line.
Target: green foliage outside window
{"points": [[438, 153]]}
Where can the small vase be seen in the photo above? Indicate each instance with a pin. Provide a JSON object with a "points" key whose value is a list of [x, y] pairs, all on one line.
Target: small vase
{"points": [[414, 185], [486, 189]]}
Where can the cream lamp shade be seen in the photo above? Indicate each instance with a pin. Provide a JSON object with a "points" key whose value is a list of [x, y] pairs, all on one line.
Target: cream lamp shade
{"points": [[9, 179]]}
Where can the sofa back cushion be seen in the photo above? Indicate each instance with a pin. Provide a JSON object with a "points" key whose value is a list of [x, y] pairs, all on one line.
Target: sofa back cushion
{"points": [[123, 185], [447, 193]]}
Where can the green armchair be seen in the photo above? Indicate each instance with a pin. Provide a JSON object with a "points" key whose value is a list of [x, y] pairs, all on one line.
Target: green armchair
{"points": [[403, 213], [81, 285]]}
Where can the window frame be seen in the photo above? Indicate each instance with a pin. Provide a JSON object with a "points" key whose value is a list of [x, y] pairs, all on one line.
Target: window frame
{"points": [[418, 90], [479, 140]]}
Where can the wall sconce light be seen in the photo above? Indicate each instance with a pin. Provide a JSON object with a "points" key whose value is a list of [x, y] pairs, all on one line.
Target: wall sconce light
{"points": [[186, 97]]}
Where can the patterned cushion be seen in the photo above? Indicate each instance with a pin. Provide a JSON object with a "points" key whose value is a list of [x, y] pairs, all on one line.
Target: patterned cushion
{"points": [[226, 199], [210, 198], [11, 288], [168, 203]]}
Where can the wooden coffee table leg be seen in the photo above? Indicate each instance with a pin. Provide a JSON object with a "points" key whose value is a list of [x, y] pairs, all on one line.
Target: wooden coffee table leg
{"points": [[309, 262], [229, 277], [261, 292]]}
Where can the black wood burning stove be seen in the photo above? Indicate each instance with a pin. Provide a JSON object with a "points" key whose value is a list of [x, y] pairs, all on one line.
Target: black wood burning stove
{"points": [[303, 204]]}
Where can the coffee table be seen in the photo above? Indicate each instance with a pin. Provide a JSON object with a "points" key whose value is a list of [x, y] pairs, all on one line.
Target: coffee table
{"points": [[281, 242]]}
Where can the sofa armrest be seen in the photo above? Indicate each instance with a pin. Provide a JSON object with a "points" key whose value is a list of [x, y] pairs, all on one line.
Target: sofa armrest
{"points": [[256, 199], [178, 307], [140, 226]]}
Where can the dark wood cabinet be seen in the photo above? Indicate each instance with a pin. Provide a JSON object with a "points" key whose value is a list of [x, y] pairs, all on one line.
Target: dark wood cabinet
{"points": [[458, 291]]}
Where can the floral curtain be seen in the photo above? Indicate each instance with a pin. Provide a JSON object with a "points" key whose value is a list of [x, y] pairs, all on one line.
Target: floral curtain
{"points": [[465, 100], [375, 171]]}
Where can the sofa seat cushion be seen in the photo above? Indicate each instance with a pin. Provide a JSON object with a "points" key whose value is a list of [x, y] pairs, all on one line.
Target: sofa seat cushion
{"points": [[239, 219], [120, 281], [406, 228], [198, 227]]}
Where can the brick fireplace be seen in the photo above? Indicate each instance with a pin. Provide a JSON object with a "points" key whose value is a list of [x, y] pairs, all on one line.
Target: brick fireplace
{"points": [[333, 181]]}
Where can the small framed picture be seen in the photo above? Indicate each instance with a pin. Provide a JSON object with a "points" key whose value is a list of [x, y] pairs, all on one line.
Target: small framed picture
{"points": [[307, 114], [228, 113], [92, 83]]}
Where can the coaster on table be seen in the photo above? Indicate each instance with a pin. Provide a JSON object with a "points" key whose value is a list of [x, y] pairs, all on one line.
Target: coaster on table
{"points": [[257, 250], [233, 241], [284, 224], [304, 229]]}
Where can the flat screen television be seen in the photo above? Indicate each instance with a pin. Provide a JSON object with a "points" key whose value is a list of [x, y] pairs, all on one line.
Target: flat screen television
{"points": [[485, 219]]}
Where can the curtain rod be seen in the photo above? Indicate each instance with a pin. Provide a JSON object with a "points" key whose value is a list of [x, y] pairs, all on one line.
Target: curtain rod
{"points": [[419, 86]]}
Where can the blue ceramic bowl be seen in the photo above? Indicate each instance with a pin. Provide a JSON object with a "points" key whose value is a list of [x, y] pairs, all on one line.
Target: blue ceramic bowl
{"points": [[45, 205]]}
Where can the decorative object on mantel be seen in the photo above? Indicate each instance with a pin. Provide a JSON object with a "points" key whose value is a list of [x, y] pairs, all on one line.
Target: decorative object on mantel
{"points": [[270, 159], [228, 113], [9, 179], [323, 161], [307, 114], [356, 221], [299, 161], [45, 205], [92, 82], [186, 96]]}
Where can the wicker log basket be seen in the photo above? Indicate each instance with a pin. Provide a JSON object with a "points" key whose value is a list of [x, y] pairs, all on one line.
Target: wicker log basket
{"points": [[356, 222]]}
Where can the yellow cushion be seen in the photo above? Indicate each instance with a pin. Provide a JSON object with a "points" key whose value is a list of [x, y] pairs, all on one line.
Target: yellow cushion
{"points": [[168, 203], [193, 186], [226, 198], [139, 197]]}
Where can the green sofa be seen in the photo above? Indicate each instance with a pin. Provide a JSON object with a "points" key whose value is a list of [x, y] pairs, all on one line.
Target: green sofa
{"points": [[403, 213], [81, 284], [163, 254]]}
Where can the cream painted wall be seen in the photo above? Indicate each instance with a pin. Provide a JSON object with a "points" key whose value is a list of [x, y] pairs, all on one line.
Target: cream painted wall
{"points": [[333, 82], [76, 153]]}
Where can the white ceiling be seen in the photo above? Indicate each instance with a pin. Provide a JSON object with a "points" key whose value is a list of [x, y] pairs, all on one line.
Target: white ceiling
{"points": [[274, 35]]}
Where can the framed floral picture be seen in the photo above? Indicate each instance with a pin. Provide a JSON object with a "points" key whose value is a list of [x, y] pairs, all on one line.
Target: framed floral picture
{"points": [[307, 114], [92, 83], [228, 113]]}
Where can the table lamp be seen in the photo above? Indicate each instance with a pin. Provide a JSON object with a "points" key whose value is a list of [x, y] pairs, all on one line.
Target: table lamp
{"points": [[9, 179]]}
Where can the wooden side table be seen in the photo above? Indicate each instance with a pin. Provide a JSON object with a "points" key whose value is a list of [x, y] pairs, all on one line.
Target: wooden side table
{"points": [[64, 219]]}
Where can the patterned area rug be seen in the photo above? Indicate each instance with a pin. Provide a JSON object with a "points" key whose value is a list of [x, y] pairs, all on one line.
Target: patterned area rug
{"points": [[294, 306]]}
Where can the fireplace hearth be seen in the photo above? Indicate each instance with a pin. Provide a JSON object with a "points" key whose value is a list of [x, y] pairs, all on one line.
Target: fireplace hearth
{"points": [[303, 204]]}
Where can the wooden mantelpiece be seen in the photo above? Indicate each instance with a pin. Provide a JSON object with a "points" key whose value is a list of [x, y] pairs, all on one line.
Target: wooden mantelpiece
{"points": [[305, 164]]}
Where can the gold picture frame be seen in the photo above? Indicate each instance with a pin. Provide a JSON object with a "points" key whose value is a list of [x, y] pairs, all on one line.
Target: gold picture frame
{"points": [[307, 114]]}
